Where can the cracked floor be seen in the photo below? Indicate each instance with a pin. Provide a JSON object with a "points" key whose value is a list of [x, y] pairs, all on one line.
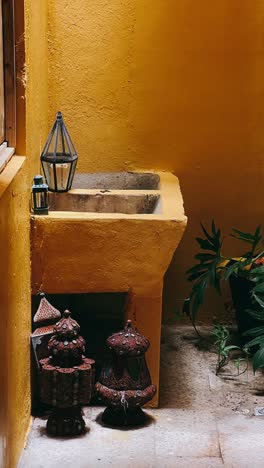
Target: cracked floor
{"points": [[203, 420]]}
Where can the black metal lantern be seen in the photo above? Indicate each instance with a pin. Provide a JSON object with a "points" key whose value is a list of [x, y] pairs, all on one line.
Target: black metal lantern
{"points": [[40, 203], [59, 157]]}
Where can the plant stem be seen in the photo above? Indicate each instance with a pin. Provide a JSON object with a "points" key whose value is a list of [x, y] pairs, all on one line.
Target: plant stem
{"points": [[194, 326]]}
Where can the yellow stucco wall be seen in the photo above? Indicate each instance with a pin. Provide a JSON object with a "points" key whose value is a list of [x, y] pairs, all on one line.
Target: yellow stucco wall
{"points": [[15, 296], [15, 320], [175, 85]]}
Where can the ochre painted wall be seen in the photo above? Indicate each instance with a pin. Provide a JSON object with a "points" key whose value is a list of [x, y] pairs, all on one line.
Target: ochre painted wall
{"points": [[175, 85], [15, 294], [15, 318]]}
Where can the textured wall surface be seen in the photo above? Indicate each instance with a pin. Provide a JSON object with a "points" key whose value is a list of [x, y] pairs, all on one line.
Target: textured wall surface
{"points": [[165, 84], [168, 85], [15, 293], [15, 319]]}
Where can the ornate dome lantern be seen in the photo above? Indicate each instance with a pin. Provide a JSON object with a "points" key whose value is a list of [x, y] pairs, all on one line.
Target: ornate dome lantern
{"points": [[59, 157], [66, 379], [44, 319], [125, 384]]}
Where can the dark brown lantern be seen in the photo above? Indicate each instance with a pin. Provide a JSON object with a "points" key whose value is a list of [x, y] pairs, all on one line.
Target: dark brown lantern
{"points": [[125, 383], [66, 379]]}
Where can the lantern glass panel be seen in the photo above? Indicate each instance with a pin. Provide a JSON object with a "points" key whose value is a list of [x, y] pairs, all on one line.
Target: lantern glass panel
{"points": [[59, 144], [62, 175], [74, 164], [40, 199], [49, 174]]}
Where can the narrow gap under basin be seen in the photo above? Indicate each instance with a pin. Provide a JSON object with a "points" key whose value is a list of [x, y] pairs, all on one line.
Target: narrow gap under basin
{"points": [[99, 316]]}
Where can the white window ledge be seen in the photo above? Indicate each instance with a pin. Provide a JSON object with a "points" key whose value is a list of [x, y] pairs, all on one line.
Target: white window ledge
{"points": [[6, 154], [10, 171]]}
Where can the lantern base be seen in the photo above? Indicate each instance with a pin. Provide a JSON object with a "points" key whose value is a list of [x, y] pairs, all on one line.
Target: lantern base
{"points": [[41, 211], [65, 422], [122, 418]]}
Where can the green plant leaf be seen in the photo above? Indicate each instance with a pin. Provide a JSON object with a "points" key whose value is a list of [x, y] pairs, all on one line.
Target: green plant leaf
{"points": [[255, 331], [243, 235], [253, 239], [259, 287], [257, 314], [258, 237], [196, 269], [235, 268], [195, 276], [230, 270], [258, 359], [204, 243], [259, 270], [238, 361], [203, 257], [228, 348], [216, 232], [256, 341], [204, 273], [258, 299], [207, 235]]}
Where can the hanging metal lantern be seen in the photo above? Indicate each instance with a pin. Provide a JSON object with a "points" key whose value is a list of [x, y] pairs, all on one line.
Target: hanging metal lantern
{"points": [[59, 157], [40, 202], [125, 384], [66, 379]]}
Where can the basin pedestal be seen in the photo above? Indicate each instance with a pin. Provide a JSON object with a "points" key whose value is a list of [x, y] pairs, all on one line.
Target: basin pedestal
{"points": [[82, 252]]}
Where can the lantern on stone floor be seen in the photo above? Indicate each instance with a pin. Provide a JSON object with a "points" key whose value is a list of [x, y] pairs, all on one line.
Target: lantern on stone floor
{"points": [[39, 202], [125, 384], [66, 379], [43, 324], [59, 157]]}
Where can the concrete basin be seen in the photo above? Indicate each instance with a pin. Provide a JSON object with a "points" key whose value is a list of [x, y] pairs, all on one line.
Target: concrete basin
{"points": [[112, 233], [117, 180], [104, 202]]}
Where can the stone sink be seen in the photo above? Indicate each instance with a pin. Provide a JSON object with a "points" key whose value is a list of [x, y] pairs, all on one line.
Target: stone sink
{"points": [[113, 232], [118, 192]]}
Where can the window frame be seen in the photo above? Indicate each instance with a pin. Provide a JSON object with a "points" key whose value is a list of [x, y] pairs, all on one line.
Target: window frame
{"points": [[9, 71], [7, 148]]}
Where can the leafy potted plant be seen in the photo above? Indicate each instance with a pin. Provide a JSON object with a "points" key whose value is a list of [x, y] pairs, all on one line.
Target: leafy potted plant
{"points": [[245, 274]]}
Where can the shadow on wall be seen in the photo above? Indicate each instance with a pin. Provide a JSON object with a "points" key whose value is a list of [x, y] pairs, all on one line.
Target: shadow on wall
{"points": [[180, 89]]}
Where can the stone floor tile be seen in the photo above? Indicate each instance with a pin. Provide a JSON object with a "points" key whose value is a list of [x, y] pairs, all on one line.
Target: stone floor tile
{"points": [[241, 440], [186, 434], [100, 446], [205, 421], [189, 462]]}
